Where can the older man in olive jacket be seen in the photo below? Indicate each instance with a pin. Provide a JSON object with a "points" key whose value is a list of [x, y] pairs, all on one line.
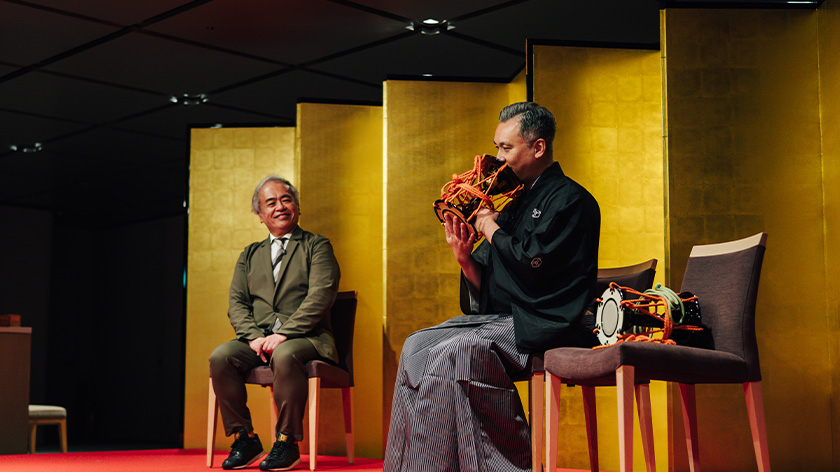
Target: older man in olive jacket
{"points": [[280, 300]]}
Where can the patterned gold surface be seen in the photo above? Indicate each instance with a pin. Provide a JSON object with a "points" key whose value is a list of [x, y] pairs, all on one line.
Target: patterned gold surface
{"points": [[432, 130], [340, 155], [829, 27], [609, 139], [744, 156], [225, 166]]}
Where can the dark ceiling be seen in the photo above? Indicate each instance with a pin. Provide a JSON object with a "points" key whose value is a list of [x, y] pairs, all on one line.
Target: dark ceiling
{"points": [[87, 126]]}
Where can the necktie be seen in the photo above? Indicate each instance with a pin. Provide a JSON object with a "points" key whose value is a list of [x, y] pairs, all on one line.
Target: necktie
{"points": [[278, 255]]}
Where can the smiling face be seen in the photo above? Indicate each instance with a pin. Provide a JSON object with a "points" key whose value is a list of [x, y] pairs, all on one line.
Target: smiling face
{"points": [[524, 158], [278, 210]]}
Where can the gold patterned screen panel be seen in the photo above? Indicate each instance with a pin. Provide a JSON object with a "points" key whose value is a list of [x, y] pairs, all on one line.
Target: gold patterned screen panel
{"points": [[608, 107], [432, 130], [744, 156], [225, 166], [829, 27], [340, 155]]}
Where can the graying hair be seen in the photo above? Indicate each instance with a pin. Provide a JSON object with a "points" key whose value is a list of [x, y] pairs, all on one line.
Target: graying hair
{"points": [[535, 122], [255, 200]]}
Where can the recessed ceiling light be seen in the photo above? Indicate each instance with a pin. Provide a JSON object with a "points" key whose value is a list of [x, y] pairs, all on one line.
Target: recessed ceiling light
{"points": [[430, 26], [188, 99], [34, 147]]}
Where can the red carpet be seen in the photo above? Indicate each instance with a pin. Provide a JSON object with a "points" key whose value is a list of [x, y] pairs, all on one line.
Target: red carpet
{"points": [[162, 460], [165, 460]]}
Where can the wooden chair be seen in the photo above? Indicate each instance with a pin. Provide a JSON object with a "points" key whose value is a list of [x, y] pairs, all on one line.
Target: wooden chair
{"points": [[47, 414], [640, 277], [321, 375], [725, 278]]}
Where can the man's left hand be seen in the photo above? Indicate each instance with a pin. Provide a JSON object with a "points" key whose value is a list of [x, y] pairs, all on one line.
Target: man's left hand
{"points": [[271, 342]]}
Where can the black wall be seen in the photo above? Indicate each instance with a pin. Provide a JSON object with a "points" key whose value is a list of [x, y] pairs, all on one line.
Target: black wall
{"points": [[107, 310]]}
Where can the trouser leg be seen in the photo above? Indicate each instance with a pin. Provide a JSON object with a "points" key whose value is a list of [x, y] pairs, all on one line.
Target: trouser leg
{"points": [[228, 364], [492, 430], [406, 420], [454, 406], [291, 384]]}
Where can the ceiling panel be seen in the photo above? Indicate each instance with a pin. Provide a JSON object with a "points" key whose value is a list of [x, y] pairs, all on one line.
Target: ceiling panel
{"points": [[292, 32], [74, 99], [438, 55], [23, 130], [437, 9], [119, 150], [160, 65], [279, 95], [30, 35], [174, 122], [611, 21], [124, 13]]}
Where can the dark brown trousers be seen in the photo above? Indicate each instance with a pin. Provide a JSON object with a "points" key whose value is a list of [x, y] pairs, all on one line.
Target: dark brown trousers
{"points": [[231, 361]]}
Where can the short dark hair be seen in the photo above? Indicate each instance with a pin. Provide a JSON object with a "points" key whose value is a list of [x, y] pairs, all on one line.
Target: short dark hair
{"points": [[535, 122], [255, 200]]}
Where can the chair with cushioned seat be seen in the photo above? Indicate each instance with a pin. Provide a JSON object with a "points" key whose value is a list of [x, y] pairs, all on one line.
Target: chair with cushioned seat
{"points": [[725, 277], [321, 375], [640, 277]]}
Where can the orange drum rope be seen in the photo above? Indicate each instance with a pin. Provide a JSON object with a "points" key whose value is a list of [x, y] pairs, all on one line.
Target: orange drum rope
{"points": [[461, 190], [649, 304]]}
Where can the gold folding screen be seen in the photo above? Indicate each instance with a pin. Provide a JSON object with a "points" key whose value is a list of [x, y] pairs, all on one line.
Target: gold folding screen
{"points": [[829, 28], [432, 130], [744, 155], [225, 166], [608, 106], [340, 156]]}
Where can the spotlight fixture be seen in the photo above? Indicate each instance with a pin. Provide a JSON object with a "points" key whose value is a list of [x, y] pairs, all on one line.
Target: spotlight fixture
{"points": [[430, 26], [34, 147], [189, 100]]}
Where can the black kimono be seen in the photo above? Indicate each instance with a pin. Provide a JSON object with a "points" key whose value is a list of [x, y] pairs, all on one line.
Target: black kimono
{"points": [[543, 263], [455, 406]]}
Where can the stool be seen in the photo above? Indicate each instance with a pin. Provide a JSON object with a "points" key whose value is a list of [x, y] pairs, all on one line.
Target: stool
{"points": [[47, 414]]}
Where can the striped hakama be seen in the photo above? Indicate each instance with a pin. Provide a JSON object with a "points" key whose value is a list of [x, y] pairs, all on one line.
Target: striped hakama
{"points": [[455, 406]]}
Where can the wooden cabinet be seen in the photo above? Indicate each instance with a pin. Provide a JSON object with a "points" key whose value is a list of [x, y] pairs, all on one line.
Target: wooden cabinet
{"points": [[15, 348]]}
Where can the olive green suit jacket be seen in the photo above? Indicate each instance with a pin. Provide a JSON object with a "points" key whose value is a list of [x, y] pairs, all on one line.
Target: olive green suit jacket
{"points": [[301, 299]]}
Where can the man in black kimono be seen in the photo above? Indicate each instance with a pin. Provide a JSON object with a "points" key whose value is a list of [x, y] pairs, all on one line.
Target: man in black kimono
{"points": [[526, 288]]}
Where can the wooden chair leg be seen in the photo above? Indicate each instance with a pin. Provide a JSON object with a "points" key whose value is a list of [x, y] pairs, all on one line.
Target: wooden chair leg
{"points": [[275, 414], [591, 418], [33, 429], [212, 415], [689, 410], [624, 381], [62, 430], [755, 411], [537, 406], [552, 424], [646, 424], [314, 401], [347, 401]]}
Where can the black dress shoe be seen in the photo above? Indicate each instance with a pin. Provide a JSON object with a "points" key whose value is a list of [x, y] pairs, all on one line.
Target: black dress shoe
{"points": [[244, 452], [284, 455]]}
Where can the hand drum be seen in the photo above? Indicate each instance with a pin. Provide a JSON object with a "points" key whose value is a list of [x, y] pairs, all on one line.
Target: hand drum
{"points": [[489, 184]]}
